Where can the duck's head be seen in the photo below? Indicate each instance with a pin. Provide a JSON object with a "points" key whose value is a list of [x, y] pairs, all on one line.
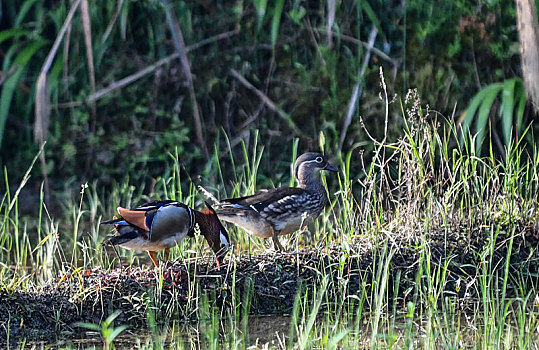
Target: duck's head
{"points": [[309, 163], [214, 232]]}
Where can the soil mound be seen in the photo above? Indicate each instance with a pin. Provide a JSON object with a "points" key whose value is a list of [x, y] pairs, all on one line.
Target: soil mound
{"points": [[50, 312]]}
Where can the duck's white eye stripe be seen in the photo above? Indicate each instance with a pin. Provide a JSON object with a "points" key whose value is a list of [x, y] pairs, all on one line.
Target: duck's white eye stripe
{"points": [[317, 160]]}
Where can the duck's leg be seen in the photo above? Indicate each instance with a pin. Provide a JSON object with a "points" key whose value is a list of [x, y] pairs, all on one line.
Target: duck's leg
{"points": [[167, 254], [276, 244], [154, 258]]}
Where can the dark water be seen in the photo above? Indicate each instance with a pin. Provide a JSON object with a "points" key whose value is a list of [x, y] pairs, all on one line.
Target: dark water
{"points": [[262, 329]]}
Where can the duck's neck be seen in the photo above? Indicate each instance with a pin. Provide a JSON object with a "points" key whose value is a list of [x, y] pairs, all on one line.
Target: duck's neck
{"points": [[205, 221], [309, 181]]}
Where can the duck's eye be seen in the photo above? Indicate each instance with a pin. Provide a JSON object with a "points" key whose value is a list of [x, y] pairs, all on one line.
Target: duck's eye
{"points": [[319, 159]]}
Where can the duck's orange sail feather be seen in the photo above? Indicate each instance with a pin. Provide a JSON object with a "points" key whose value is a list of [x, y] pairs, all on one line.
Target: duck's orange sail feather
{"points": [[134, 217]]}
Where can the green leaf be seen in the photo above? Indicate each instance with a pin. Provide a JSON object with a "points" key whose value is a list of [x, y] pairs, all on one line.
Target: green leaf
{"points": [[43, 241], [90, 326], [520, 95], [470, 111], [8, 88], [124, 20], [111, 317], [372, 16], [334, 340], [23, 11], [508, 105], [12, 33], [474, 105], [296, 14], [13, 49], [261, 7], [115, 332], [276, 22], [492, 91]]}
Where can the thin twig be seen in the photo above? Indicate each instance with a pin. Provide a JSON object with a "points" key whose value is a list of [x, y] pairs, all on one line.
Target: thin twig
{"points": [[310, 30], [150, 69], [475, 70], [70, 104], [271, 105], [332, 8], [87, 30], [212, 39], [384, 88], [129, 79], [26, 177], [87, 27], [365, 44], [112, 21], [58, 40], [358, 88], [65, 70], [10, 72]]}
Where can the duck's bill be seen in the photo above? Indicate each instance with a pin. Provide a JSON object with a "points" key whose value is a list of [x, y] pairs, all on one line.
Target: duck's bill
{"points": [[330, 168], [220, 260]]}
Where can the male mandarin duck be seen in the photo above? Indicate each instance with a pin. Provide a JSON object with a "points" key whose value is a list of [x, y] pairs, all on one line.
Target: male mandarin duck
{"points": [[282, 210], [161, 225]]}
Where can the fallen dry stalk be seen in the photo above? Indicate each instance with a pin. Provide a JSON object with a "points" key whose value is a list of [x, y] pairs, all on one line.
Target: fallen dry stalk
{"points": [[42, 103], [148, 70], [358, 88], [267, 101], [179, 44]]}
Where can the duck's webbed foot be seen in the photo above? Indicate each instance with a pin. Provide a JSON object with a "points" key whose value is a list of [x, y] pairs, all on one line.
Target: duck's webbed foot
{"points": [[153, 256]]}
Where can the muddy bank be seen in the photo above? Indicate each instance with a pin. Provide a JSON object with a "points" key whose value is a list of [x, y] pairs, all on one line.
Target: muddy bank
{"points": [[50, 312]]}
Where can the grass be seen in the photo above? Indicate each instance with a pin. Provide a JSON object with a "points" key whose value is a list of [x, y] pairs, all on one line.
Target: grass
{"points": [[427, 246]]}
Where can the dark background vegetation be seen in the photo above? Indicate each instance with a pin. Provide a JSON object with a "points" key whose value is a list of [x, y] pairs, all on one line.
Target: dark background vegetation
{"points": [[449, 50]]}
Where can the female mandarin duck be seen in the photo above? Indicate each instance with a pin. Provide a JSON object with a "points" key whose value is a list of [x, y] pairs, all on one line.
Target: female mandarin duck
{"points": [[282, 210], [163, 224]]}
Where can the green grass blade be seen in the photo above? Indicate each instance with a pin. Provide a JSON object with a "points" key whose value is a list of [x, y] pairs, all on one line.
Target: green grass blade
{"points": [[484, 111], [23, 11], [261, 7], [8, 58], [116, 332], [90, 326], [12, 33], [372, 16], [470, 112], [43, 241], [276, 22], [508, 106], [520, 95]]}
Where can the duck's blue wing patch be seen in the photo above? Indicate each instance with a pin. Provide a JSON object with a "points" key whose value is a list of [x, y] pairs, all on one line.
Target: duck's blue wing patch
{"points": [[149, 219]]}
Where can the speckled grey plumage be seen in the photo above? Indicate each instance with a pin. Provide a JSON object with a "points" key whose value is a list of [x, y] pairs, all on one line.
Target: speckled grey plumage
{"points": [[281, 210]]}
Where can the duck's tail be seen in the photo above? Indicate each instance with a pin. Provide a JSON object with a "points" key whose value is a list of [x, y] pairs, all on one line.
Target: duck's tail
{"points": [[121, 238], [123, 230]]}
